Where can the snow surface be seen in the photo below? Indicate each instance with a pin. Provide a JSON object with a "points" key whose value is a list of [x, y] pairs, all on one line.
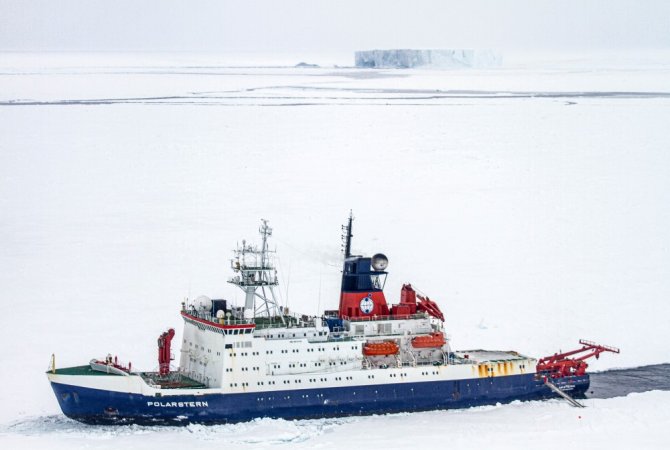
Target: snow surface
{"points": [[531, 202]]}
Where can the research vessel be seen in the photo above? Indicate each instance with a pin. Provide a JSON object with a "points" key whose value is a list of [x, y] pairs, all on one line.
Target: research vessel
{"points": [[238, 363]]}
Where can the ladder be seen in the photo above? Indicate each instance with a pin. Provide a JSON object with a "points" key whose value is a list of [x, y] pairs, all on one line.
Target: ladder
{"points": [[555, 388], [413, 357]]}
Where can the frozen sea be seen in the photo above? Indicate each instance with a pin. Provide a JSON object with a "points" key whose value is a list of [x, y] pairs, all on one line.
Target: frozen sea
{"points": [[532, 202]]}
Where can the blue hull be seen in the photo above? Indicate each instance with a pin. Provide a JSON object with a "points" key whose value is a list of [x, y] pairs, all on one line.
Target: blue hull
{"points": [[99, 406]]}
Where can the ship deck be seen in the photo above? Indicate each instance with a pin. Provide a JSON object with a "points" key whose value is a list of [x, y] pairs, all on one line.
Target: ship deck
{"points": [[489, 356], [81, 370], [174, 380]]}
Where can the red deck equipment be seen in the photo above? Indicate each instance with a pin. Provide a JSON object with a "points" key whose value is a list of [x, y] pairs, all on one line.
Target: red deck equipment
{"points": [[429, 306], [164, 355], [559, 365]]}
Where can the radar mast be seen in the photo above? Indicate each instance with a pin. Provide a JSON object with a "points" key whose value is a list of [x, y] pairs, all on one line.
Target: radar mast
{"points": [[257, 277]]}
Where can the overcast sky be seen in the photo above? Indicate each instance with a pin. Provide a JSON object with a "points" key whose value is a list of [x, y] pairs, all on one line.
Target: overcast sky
{"points": [[341, 25]]}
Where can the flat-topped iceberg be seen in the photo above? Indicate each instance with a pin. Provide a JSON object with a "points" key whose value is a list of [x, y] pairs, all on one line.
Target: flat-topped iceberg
{"points": [[439, 58]]}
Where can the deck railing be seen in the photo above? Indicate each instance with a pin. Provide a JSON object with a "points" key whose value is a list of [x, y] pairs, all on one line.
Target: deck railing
{"points": [[388, 317], [260, 323]]}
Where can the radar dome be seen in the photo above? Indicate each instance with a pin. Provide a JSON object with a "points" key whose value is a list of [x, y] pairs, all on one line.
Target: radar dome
{"points": [[202, 303], [380, 262]]}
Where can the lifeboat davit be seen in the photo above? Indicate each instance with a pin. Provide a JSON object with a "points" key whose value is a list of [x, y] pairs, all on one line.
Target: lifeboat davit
{"points": [[380, 348], [430, 341]]}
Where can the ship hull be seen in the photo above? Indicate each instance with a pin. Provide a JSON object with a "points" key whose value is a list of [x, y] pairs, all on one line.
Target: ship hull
{"points": [[98, 406]]}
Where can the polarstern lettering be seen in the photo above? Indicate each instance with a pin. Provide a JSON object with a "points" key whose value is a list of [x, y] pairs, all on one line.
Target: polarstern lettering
{"points": [[179, 404]]}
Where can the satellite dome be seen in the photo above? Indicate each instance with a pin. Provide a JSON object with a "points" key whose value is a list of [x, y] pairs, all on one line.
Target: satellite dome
{"points": [[380, 262], [203, 302]]}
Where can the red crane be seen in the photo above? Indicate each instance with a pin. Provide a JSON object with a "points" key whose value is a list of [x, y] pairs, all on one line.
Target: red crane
{"points": [[429, 306], [559, 365], [164, 355]]}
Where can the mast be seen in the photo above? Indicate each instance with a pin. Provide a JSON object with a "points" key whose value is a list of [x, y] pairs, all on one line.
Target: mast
{"points": [[257, 277], [347, 229]]}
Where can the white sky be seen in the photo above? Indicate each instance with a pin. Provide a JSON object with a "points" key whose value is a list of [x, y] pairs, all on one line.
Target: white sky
{"points": [[342, 25]]}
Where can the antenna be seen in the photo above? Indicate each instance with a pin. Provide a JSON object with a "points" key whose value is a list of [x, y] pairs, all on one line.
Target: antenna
{"points": [[346, 237]]}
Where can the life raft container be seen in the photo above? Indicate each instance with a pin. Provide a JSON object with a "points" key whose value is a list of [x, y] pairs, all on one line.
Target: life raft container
{"points": [[430, 341], [380, 348]]}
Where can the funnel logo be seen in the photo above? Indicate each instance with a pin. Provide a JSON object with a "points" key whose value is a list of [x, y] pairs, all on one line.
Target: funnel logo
{"points": [[367, 305]]}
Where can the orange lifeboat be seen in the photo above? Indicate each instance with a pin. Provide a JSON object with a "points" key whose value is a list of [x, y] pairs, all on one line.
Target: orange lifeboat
{"points": [[430, 341], [380, 348]]}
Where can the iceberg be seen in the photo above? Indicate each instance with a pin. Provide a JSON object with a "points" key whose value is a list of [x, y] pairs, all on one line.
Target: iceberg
{"points": [[438, 58]]}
